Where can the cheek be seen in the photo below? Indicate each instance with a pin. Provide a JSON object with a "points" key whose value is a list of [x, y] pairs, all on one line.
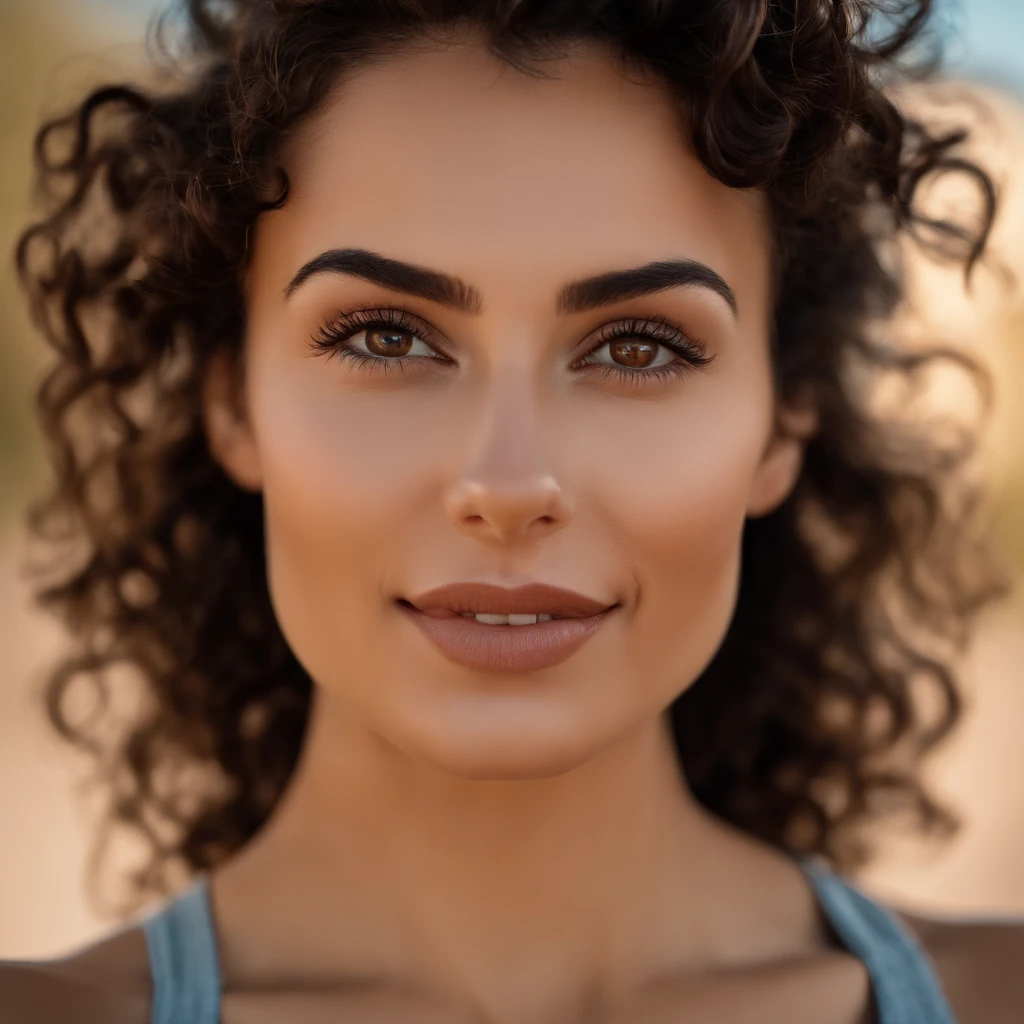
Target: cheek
{"points": [[678, 506], [340, 472]]}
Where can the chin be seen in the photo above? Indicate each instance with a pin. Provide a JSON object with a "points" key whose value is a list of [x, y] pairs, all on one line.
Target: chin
{"points": [[504, 744]]}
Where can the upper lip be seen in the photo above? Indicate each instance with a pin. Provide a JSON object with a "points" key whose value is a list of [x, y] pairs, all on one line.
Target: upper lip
{"points": [[486, 598]]}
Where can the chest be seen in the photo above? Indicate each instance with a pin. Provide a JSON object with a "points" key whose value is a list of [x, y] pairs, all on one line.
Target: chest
{"points": [[833, 989]]}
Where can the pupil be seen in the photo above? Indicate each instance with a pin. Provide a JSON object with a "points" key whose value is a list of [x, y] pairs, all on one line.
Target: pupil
{"points": [[635, 353], [389, 342]]}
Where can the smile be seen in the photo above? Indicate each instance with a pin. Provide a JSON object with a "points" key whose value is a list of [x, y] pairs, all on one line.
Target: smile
{"points": [[495, 643]]}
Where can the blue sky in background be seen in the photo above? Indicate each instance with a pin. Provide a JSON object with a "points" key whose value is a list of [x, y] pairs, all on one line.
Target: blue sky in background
{"points": [[985, 37]]}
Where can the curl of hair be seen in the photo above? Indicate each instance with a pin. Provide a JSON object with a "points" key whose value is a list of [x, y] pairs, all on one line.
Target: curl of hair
{"points": [[861, 587]]}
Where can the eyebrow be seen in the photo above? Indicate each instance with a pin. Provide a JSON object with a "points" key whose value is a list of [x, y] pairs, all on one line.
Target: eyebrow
{"points": [[576, 297]]}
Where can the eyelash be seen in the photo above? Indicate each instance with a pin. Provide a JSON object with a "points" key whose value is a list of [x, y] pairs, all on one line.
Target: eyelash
{"points": [[332, 337]]}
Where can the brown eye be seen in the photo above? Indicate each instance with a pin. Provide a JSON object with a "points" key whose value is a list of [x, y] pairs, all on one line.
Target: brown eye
{"points": [[648, 349], [632, 353], [387, 341]]}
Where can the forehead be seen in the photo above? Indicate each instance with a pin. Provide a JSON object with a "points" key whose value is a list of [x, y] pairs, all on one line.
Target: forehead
{"points": [[449, 157]]}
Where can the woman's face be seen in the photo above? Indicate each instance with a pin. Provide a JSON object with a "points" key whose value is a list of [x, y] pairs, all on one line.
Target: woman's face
{"points": [[506, 448]]}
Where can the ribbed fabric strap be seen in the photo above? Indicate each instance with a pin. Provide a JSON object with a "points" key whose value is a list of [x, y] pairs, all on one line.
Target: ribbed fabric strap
{"points": [[183, 960], [907, 990]]}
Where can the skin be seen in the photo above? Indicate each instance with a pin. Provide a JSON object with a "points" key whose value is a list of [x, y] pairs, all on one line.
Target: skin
{"points": [[464, 847]]}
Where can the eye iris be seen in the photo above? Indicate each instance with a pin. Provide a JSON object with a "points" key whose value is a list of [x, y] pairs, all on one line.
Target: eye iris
{"points": [[388, 341], [635, 353]]}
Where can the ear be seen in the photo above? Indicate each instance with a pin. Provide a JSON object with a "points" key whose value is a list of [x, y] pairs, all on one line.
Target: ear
{"points": [[780, 465], [226, 422]]}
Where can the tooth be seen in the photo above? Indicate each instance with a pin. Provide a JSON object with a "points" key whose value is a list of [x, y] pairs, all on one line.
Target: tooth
{"points": [[522, 620], [495, 619]]}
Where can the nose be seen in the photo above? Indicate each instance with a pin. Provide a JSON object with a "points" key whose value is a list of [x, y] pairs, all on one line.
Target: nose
{"points": [[508, 490]]}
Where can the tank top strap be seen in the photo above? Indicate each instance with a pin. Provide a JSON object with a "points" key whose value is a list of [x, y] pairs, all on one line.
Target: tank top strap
{"points": [[183, 959], [906, 988]]}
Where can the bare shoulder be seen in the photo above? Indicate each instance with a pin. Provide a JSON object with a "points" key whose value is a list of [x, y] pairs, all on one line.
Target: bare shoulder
{"points": [[106, 982], [979, 961]]}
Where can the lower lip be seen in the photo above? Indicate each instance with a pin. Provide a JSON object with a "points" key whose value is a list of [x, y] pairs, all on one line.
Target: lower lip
{"points": [[486, 648]]}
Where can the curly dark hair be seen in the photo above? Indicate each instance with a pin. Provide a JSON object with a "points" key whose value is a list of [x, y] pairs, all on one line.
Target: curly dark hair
{"points": [[857, 593]]}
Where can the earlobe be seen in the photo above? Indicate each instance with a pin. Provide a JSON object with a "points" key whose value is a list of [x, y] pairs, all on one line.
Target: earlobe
{"points": [[776, 476], [780, 467], [228, 433]]}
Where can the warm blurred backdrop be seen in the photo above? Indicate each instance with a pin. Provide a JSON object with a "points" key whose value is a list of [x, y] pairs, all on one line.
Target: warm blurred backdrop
{"points": [[51, 50]]}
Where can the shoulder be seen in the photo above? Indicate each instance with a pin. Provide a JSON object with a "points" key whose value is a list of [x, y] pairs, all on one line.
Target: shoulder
{"points": [[979, 961], [104, 983]]}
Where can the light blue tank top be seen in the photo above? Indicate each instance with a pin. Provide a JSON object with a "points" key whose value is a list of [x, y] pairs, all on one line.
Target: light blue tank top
{"points": [[186, 976]]}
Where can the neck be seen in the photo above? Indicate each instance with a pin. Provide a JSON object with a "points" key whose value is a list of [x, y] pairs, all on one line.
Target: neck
{"points": [[593, 882]]}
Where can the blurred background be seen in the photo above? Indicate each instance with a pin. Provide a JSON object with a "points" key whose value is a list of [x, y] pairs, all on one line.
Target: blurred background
{"points": [[52, 50]]}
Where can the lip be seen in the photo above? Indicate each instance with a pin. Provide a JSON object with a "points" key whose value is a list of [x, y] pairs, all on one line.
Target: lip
{"points": [[439, 616], [479, 598], [486, 648]]}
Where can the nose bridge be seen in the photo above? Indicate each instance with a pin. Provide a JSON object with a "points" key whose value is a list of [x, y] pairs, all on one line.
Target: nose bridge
{"points": [[509, 486]]}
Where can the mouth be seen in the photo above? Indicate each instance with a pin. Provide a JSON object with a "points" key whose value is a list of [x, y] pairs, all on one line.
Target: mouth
{"points": [[515, 642], [489, 618], [512, 603]]}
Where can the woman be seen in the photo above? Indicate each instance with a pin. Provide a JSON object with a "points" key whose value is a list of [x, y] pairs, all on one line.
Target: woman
{"points": [[462, 411]]}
